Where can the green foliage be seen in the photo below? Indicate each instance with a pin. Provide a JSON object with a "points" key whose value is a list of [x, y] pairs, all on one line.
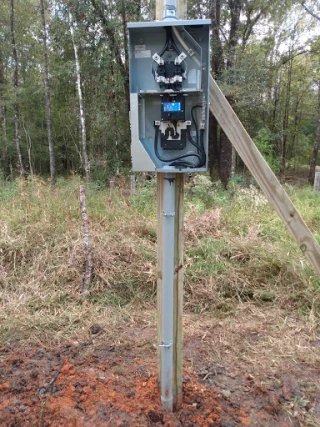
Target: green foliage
{"points": [[205, 194], [257, 82], [144, 200], [265, 143]]}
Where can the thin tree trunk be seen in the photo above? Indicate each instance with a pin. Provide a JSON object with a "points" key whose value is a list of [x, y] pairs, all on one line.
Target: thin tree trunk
{"points": [[86, 240], [276, 98], [235, 9], [29, 148], [233, 161], [125, 39], [5, 167], [213, 145], [316, 147], [4, 157], [47, 95], [216, 66], [23, 172], [296, 125], [225, 158], [115, 49], [81, 106], [286, 120]]}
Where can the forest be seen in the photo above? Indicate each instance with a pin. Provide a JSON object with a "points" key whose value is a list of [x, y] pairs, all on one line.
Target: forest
{"points": [[80, 288], [64, 83]]}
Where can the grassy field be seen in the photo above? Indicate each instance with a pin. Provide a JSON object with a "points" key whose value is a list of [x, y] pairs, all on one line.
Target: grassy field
{"points": [[237, 252], [251, 301]]}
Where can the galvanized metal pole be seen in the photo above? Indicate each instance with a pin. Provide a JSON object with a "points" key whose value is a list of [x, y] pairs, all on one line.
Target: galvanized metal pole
{"points": [[167, 292]]}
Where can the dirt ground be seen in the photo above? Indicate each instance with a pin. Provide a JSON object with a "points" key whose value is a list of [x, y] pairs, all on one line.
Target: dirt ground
{"points": [[236, 373]]}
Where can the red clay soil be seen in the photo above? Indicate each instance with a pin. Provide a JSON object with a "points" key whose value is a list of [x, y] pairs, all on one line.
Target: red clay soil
{"points": [[111, 386]]}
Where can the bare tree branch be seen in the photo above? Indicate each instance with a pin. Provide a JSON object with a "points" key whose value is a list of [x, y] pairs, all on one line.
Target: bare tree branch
{"points": [[312, 13]]}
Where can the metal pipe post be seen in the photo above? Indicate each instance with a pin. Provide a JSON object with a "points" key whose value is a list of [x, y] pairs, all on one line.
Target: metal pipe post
{"points": [[168, 242], [169, 9]]}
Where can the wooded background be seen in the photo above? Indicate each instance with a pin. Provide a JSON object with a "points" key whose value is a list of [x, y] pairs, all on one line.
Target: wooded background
{"points": [[64, 83]]}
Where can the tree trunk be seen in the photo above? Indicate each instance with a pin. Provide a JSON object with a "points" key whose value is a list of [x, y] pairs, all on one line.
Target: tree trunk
{"points": [[235, 9], [29, 148], [23, 172], [4, 157], [276, 99], [285, 121], [225, 158], [4, 162], [213, 145], [115, 50], [125, 39], [81, 107], [88, 266], [316, 147], [47, 95], [216, 66], [296, 126]]}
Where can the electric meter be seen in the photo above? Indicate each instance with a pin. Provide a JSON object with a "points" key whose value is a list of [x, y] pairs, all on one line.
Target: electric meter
{"points": [[169, 95]]}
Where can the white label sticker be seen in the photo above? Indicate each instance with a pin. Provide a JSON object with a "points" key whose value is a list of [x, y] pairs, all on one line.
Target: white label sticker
{"points": [[140, 47], [139, 54], [192, 76]]}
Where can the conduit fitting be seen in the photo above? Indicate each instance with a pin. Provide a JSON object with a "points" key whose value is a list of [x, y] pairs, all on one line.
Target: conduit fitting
{"points": [[168, 214], [170, 10], [166, 345]]}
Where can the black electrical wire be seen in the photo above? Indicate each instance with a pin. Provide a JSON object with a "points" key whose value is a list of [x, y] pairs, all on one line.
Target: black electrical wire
{"points": [[169, 43], [200, 149], [200, 139], [174, 159], [194, 120], [165, 47], [171, 40], [179, 160]]}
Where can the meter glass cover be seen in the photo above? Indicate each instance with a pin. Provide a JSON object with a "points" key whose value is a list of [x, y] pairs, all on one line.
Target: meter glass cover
{"points": [[170, 107]]}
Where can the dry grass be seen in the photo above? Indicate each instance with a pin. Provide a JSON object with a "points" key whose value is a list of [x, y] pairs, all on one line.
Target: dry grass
{"points": [[265, 345], [41, 267], [41, 259], [251, 301], [259, 335]]}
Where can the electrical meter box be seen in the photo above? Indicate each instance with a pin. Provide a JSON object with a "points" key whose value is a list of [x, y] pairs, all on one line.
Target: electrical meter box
{"points": [[169, 95]]}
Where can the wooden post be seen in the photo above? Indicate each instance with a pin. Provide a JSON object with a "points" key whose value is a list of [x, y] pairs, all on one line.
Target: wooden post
{"points": [[159, 9], [181, 8], [178, 283], [264, 176], [111, 187], [178, 267], [132, 183], [316, 182], [86, 241]]}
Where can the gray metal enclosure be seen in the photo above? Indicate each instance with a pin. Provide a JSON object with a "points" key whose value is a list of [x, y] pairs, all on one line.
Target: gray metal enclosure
{"points": [[169, 95]]}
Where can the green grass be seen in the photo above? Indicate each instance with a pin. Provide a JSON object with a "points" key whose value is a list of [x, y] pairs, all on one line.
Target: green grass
{"points": [[237, 250]]}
